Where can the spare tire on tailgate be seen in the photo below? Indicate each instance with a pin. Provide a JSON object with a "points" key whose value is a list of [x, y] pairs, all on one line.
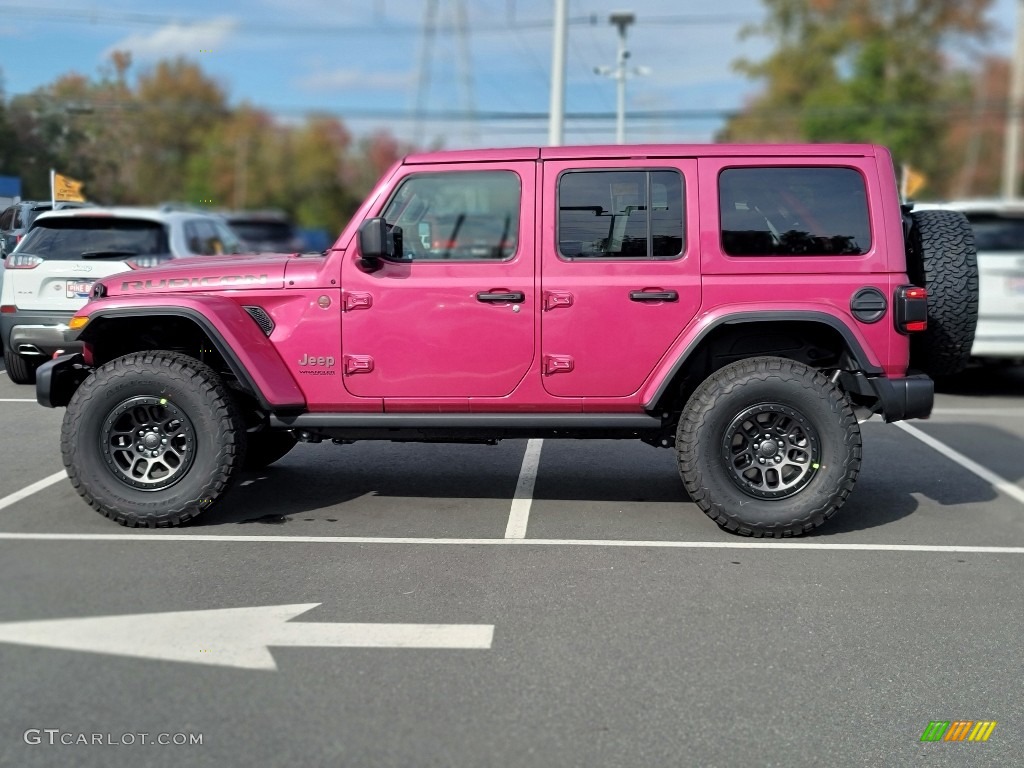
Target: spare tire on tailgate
{"points": [[941, 257]]}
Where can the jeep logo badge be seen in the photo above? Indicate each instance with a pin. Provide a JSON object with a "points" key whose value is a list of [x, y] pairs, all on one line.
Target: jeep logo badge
{"points": [[317, 361]]}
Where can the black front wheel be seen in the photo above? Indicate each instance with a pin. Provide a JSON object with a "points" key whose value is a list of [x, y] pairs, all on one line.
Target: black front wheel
{"points": [[768, 447], [152, 439]]}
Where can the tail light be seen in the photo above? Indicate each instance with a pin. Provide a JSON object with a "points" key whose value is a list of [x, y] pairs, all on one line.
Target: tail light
{"points": [[911, 309], [17, 238], [22, 261]]}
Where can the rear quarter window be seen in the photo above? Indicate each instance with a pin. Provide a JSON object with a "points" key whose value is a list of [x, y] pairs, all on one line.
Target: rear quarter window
{"points": [[793, 211]]}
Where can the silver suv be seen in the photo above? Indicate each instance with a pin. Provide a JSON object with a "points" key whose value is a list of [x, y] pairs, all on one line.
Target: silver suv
{"points": [[49, 275]]}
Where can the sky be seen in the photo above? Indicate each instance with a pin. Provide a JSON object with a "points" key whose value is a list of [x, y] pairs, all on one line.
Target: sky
{"points": [[370, 63]]}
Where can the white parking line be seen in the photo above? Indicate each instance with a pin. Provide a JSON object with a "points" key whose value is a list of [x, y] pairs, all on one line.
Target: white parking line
{"points": [[519, 515], [1011, 413], [990, 477], [17, 400], [28, 490], [731, 544]]}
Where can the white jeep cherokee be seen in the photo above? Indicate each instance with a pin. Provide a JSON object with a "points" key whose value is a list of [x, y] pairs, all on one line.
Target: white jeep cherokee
{"points": [[47, 278]]}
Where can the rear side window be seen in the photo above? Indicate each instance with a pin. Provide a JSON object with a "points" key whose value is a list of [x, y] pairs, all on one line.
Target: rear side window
{"points": [[993, 232], [794, 212], [71, 239], [6, 218], [620, 215]]}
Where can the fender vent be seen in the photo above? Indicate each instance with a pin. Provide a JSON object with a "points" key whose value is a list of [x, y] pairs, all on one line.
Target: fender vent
{"points": [[262, 319], [868, 305]]}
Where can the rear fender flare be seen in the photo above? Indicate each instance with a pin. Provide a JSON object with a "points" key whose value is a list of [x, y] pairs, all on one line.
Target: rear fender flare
{"points": [[684, 348]]}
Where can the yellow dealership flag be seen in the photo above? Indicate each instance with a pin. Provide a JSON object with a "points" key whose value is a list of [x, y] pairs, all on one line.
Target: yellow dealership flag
{"points": [[912, 182], [64, 188]]}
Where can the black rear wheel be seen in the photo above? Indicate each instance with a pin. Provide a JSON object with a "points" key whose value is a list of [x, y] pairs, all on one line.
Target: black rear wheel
{"points": [[152, 439], [19, 369], [768, 447]]}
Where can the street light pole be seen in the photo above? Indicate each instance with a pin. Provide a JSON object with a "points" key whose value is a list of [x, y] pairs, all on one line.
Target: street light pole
{"points": [[620, 73], [621, 20]]}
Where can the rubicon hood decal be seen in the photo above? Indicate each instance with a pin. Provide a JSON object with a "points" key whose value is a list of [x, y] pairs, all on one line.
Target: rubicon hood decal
{"points": [[172, 283], [201, 275]]}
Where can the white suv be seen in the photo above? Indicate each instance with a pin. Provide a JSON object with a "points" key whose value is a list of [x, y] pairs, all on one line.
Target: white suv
{"points": [[999, 237], [47, 278]]}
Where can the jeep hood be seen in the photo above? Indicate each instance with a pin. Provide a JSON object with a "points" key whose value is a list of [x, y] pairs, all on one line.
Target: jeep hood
{"points": [[214, 273]]}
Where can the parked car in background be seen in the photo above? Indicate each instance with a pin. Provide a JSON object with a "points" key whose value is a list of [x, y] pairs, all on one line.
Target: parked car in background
{"points": [[999, 237], [266, 231], [49, 276], [16, 220]]}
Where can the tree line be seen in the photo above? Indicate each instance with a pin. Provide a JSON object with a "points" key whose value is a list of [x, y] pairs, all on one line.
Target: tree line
{"points": [[913, 75], [169, 134]]}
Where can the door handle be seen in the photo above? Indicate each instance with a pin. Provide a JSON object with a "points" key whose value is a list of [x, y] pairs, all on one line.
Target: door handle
{"points": [[501, 297], [653, 296]]}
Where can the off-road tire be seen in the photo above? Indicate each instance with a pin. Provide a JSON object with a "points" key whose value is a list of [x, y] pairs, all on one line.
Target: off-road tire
{"points": [[941, 257], [264, 448], [19, 370], [193, 391], [784, 392]]}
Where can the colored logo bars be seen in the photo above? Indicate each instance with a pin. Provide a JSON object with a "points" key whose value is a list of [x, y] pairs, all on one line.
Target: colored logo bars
{"points": [[958, 730]]}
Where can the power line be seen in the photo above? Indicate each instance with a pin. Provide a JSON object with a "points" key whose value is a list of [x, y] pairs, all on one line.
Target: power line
{"points": [[380, 26], [84, 107]]}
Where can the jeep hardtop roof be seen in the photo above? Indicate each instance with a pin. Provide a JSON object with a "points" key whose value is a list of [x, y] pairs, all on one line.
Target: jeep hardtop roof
{"points": [[644, 151]]}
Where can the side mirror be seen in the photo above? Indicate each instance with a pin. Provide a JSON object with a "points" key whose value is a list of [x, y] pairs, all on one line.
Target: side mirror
{"points": [[378, 243]]}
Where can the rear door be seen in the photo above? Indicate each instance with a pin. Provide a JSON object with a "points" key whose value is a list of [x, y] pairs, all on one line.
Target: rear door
{"points": [[620, 274]]}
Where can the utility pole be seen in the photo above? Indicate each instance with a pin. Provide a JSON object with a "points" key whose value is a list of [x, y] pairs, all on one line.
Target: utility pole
{"points": [[1011, 143], [465, 71], [622, 20], [556, 117]]}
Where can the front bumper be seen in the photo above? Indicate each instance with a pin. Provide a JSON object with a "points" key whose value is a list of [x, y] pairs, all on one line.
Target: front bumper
{"points": [[57, 380], [911, 397], [38, 333]]}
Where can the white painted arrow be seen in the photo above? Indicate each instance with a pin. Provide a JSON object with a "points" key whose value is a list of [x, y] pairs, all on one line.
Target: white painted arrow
{"points": [[232, 637]]}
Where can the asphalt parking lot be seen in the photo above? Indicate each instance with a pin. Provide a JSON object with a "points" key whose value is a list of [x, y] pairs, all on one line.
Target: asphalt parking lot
{"points": [[594, 615]]}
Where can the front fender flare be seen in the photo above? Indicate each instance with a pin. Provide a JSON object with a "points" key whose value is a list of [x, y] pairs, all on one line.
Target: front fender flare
{"points": [[252, 357]]}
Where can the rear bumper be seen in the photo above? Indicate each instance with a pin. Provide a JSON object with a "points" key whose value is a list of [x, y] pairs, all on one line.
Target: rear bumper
{"points": [[57, 380], [38, 333], [911, 397]]}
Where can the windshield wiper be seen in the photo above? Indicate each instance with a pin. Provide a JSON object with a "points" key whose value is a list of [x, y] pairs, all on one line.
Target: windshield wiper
{"points": [[106, 254]]}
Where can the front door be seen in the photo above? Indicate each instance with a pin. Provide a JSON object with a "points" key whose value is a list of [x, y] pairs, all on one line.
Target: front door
{"points": [[620, 272], [454, 318]]}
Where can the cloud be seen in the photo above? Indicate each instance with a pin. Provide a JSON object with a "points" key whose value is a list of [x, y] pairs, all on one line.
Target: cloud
{"points": [[177, 40], [349, 79]]}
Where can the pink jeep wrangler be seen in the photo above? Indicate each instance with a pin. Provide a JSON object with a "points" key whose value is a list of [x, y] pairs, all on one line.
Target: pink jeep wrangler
{"points": [[745, 306]]}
